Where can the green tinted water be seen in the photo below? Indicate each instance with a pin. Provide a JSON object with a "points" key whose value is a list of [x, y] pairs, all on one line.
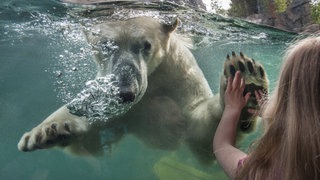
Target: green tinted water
{"points": [[39, 41]]}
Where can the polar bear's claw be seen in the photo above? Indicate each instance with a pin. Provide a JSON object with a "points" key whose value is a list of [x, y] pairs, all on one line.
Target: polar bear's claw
{"points": [[22, 144]]}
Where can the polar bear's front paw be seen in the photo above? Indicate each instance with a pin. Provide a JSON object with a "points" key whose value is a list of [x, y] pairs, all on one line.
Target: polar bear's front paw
{"points": [[49, 134], [255, 78]]}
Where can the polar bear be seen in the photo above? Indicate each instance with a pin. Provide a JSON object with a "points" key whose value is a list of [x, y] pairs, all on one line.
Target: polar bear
{"points": [[172, 102]]}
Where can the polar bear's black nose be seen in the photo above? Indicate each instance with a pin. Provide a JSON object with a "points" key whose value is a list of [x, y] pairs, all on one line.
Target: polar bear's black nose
{"points": [[127, 96]]}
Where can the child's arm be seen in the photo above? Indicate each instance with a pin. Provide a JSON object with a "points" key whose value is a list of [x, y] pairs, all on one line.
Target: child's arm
{"points": [[224, 140]]}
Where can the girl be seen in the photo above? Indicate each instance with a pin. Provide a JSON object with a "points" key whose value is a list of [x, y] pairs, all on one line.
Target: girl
{"points": [[290, 146]]}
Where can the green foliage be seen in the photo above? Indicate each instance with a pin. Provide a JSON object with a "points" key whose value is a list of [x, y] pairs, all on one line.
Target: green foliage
{"points": [[280, 5], [315, 12]]}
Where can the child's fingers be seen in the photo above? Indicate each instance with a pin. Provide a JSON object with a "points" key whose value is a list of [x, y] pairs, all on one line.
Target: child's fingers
{"points": [[247, 97], [258, 95], [253, 111], [242, 85], [229, 84], [237, 80], [261, 92]]}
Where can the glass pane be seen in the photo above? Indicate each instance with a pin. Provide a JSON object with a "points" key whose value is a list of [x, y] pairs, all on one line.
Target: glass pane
{"points": [[47, 61]]}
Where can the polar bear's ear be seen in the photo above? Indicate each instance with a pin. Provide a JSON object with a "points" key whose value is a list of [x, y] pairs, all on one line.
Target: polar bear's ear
{"points": [[168, 28]]}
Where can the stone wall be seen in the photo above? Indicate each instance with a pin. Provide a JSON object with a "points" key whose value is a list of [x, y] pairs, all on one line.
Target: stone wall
{"points": [[296, 18]]}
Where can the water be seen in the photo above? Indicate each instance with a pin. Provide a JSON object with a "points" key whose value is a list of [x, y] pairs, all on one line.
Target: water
{"points": [[45, 62]]}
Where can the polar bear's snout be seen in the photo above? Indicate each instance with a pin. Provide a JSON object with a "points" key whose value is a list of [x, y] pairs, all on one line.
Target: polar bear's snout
{"points": [[128, 80], [128, 74]]}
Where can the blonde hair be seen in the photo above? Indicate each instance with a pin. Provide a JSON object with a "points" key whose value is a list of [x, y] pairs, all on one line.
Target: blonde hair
{"points": [[290, 146]]}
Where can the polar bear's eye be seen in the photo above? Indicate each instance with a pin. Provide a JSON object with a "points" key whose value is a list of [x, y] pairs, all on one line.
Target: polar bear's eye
{"points": [[147, 46], [141, 47]]}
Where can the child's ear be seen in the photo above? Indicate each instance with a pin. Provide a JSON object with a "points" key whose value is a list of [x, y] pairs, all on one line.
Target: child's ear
{"points": [[168, 28]]}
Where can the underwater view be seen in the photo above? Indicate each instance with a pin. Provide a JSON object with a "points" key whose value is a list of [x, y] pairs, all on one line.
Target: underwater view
{"points": [[46, 62]]}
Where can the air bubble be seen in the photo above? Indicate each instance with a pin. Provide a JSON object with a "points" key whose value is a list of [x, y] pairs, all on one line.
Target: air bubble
{"points": [[99, 101], [58, 73]]}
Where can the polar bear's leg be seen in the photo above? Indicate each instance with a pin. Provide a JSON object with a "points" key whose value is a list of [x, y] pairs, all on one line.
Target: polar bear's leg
{"points": [[204, 120], [207, 114], [255, 79], [60, 129]]}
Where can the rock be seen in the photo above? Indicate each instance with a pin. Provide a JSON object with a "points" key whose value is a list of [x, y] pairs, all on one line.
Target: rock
{"points": [[295, 18], [313, 28]]}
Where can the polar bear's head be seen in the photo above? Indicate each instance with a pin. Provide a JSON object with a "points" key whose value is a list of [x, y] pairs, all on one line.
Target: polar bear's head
{"points": [[131, 50]]}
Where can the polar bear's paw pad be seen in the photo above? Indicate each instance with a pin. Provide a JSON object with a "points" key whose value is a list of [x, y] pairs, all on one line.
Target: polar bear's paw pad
{"points": [[255, 78], [47, 135]]}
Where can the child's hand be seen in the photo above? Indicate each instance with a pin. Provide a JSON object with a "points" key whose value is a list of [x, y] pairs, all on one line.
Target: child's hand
{"points": [[234, 98], [225, 137], [261, 99]]}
